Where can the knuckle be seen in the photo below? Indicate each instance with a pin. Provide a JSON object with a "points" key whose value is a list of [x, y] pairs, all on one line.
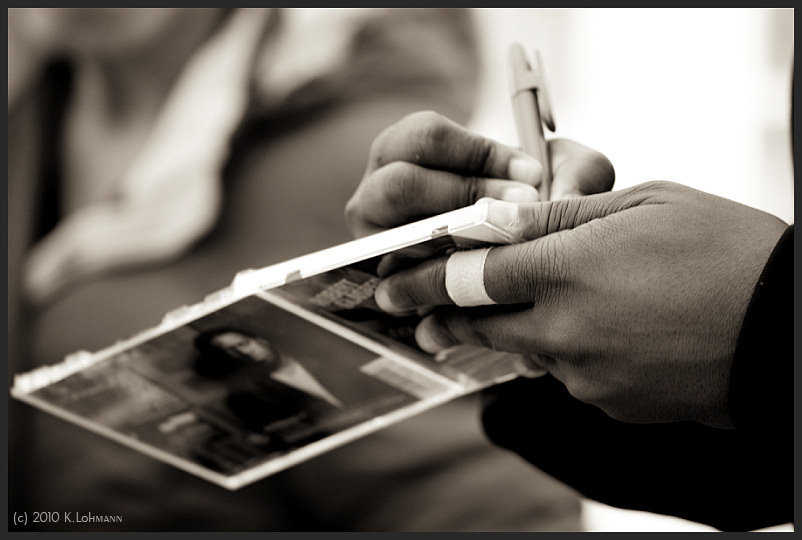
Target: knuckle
{"points": [[417, 286], [434, 130], [652, 187], [396, 185], [585, 388], [607, 394], [470, 322], [356, 220], [420, 129], [525, 282], [400, 184], [652, 192], [444, 320], [562, 332], [529, 220], [544, 282], [461, 325], [561, 216], [434, 277], [580, 389], [380, 145], [352, 213], [422, 118], [555, 260], [657, 185], [644, 189], [536, 272], [481, 154], [472, 190]]}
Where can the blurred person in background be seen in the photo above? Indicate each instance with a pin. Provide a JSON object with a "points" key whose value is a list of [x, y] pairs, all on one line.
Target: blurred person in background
{"points": [[153, 153]]}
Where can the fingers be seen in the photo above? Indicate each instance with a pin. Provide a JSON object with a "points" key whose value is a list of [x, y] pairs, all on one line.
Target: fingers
{"points": [[532, 271], [426, 165], [403, 192], [498, 328], [523, 273], [430, 140], [422, 285], [578, 170]]}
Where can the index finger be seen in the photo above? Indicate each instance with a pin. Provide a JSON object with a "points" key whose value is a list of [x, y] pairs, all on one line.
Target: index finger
{"points": [[431, 140]]}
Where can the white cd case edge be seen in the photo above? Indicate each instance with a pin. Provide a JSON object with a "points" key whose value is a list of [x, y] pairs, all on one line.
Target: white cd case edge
{"points": [[308, 363]]}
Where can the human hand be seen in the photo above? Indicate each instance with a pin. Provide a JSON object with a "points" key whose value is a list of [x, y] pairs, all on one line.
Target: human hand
{"points": [[425, 165], [633, 299]]}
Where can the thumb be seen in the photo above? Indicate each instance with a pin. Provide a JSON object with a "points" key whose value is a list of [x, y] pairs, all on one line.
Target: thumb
{"points": [[578, 170]]}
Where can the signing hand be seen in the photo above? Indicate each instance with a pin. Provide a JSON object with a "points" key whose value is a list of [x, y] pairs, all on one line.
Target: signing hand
{"points": [[425, 165]]}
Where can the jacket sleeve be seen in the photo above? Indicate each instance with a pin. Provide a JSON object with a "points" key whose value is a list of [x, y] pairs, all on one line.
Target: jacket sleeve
{"points": [[761, 385], [732, 479]]}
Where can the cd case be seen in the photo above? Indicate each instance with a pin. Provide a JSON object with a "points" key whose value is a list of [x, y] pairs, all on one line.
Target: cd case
{"points": [[285, 363]]}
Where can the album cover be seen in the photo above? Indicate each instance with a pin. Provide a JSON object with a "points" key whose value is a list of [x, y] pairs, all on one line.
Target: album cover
{"points": [[287, 362]]}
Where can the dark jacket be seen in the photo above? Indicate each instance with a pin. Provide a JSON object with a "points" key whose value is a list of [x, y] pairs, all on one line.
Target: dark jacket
{"points": [[733, 479]]}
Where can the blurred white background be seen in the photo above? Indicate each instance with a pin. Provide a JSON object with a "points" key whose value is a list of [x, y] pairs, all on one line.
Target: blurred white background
{"points": [[696, 96], [700, 97]]}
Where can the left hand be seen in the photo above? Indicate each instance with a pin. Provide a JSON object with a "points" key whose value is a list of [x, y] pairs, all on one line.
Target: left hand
{"points": [[425, 165]]}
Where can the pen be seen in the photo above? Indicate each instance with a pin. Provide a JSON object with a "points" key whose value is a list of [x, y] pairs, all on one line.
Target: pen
{"points": [[531, 109]]}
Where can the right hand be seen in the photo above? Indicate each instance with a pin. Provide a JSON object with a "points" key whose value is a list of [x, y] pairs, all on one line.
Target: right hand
{"points": [[633, 299]]}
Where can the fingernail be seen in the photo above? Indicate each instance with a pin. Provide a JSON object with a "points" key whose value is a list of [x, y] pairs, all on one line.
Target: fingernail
{"points": [[525, 169], [519, 193], [383, 300], [504, 215], [426, 341]]}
